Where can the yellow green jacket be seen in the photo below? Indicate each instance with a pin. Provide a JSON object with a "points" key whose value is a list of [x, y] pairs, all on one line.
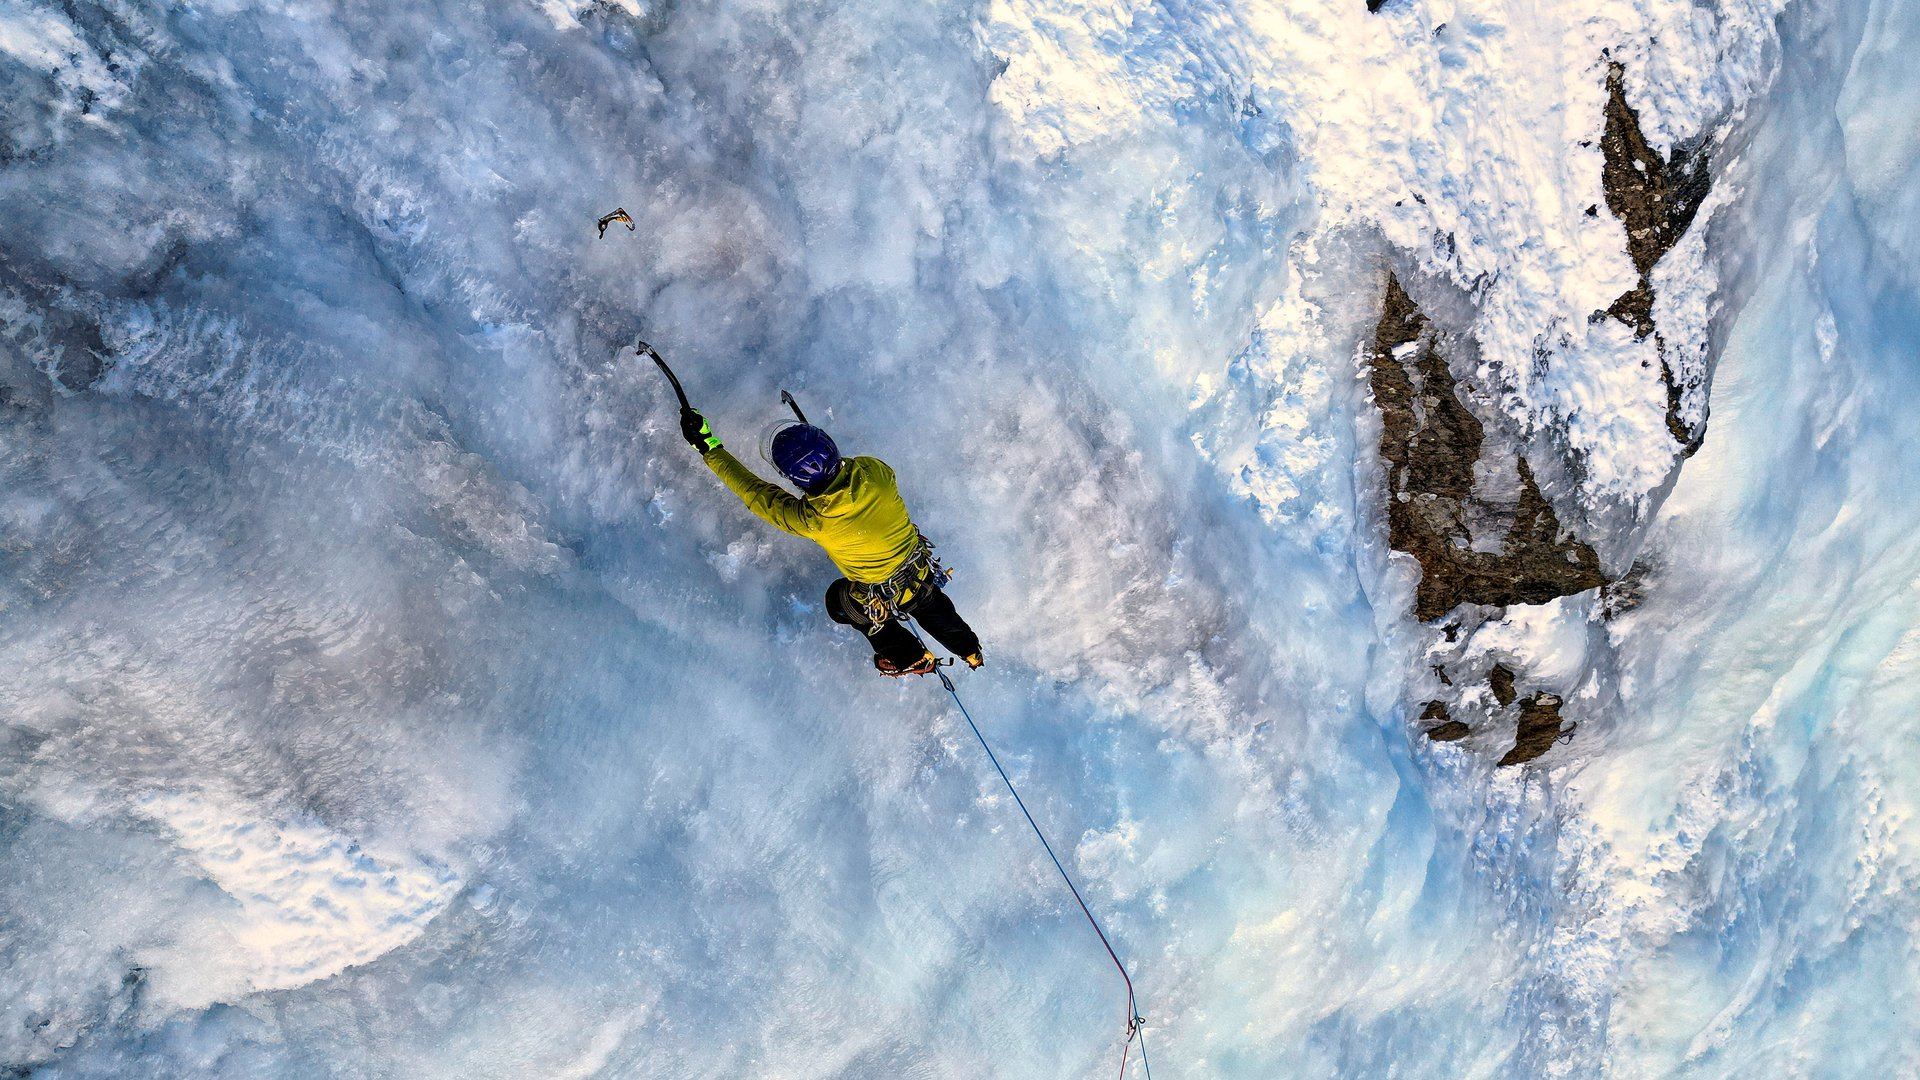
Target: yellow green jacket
{"points": [[860, 518]]}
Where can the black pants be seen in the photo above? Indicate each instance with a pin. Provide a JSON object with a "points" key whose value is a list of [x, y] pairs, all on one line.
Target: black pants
{"points": [[894, 642]]}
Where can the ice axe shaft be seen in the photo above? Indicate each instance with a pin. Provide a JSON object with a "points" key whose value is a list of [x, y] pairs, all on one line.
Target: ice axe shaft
{"points": [[647, 350]]}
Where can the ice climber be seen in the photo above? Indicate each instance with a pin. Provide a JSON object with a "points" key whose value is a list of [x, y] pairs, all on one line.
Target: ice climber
{"points": [[852, 508]]}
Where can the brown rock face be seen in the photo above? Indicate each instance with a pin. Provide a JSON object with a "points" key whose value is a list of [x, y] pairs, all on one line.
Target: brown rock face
{"points": [[1501, 680], [1447, 730], [1431, 443], [1656, 200], [1472, 514], [1539, 729]]}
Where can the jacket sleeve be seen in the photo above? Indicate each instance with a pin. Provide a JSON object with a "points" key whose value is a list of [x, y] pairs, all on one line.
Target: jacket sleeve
{"points": [[774, 506]]}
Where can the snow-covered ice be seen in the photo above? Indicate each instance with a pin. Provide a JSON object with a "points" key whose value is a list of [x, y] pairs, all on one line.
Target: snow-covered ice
{"points": [[385, 690]]}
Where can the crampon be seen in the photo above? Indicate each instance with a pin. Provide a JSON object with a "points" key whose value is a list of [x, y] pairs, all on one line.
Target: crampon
{"points": [[923, 666]]}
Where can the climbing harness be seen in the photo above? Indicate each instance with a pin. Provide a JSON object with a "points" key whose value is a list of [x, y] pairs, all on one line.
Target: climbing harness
{"points": [[1136, 1024], [620, 215], [881, 602]]}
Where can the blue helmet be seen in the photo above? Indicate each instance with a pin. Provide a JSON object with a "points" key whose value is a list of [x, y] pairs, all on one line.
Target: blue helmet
{"points": [[805, 455]]}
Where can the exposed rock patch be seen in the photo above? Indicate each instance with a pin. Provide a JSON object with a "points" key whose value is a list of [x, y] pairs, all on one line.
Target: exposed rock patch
{"points": [[1537, 726], [1443, 508], [1624, 593], [1470, 509], [1656, 200], [1538, 729], [1500, 679], [1439, 510], [1447, 730]]}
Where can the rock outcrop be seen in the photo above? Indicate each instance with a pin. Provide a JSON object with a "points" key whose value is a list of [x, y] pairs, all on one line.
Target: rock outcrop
{"points": [[1656, 200], [1447, 730], [1537, 730], [1475, 545], [1468, 507], [1537, 722]]}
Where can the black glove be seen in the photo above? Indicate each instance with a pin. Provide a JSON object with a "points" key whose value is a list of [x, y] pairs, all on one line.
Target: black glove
{"points": [[695, 429]]}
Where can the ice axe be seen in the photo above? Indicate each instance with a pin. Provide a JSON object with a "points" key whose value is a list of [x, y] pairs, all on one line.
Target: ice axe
{"points": [[787, 400], [647, 350], [620, 215]]}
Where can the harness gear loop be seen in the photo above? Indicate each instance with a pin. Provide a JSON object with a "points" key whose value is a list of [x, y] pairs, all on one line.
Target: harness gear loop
{"points": [[884, 601]]}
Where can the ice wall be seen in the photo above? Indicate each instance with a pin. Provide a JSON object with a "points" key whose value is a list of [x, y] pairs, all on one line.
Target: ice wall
{"points": [[1756, 808], [389, 693]]}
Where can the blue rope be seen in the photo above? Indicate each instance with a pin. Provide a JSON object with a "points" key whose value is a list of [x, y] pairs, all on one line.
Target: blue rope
{"points": [[1136, 1024]]}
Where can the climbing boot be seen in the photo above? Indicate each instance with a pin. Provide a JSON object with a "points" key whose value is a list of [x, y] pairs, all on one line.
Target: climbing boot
{"points": [[973, 660], [921, 666]]}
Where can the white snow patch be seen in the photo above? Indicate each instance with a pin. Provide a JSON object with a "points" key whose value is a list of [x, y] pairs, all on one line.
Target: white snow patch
{"points": [[1469, 138], [307, 902], [566, 13], [1545, 642]]}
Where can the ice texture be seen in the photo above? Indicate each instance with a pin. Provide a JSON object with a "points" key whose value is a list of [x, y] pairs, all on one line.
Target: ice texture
{"points": [[386, 690]]}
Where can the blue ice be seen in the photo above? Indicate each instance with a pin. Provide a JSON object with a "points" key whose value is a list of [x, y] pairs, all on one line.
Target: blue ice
{"points": [[336, 514]]}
